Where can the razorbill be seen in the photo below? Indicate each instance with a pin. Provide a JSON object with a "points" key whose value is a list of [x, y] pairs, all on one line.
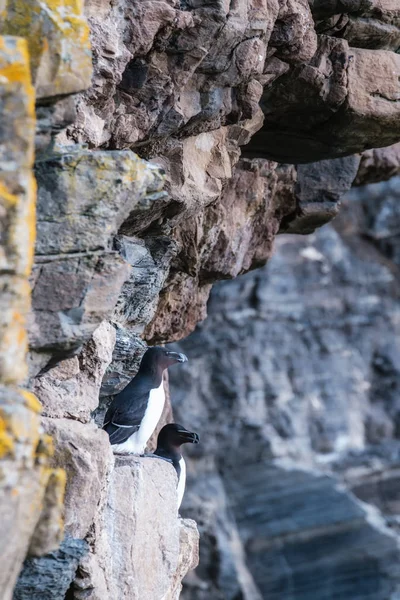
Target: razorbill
{"points": [[169, 442], [134, 413]]}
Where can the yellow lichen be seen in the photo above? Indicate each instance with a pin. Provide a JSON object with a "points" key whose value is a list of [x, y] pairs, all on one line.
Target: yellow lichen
{"points": [[7, 196], [58, 40], [44, 449], [31, 224], [17, 70], [31, 402], [6, 440]]}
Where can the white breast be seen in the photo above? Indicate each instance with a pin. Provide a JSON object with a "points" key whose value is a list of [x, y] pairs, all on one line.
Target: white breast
{"points": [[136, 444], [152, 415], [181, 481]]}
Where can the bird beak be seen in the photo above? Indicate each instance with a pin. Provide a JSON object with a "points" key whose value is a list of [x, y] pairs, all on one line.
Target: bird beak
{"points": [[189, 436], [178, 356]]}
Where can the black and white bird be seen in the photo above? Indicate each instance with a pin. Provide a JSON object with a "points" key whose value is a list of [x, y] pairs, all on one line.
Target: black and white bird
{"points": [[169, 442], [134, 413]]}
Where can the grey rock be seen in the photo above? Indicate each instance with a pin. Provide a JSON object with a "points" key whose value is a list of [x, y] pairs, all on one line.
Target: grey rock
{"points": [[84, 197], [51, 119], [31, 492], [297, 369], [319, 189], [71, 389], [222, 572], [306, 537], [150, 260], [49, 577], [127, 354], [72, 295]]}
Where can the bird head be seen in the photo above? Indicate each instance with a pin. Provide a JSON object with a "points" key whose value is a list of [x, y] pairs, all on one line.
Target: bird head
{"points": [[159, 358], [174, 435]]}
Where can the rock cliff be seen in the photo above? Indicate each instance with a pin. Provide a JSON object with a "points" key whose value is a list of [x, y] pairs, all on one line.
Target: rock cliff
{"points": [[165, 144], [294, 379]]}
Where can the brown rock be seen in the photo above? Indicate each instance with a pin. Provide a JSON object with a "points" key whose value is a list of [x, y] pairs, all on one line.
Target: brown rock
{"points": [[188, 556], [349, 106], [379, 164], [71, 389], [142, 549], [85, 454]]}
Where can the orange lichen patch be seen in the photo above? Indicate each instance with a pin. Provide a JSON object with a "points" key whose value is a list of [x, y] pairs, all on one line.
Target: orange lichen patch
{"points": [[15, 338], [32, 402], [23, 426], [6, 439], [44, 448], [6, 196], [15, 69], [59, 481], [58, 40], [31, 224]]}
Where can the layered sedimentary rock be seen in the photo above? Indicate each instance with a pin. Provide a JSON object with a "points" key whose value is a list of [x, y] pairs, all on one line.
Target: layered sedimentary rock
{"points": [[294, 378], [144, 201]]}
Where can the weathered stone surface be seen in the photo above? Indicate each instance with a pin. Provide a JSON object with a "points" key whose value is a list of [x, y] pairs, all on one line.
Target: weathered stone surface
{"points": [[378, 216], [364, 23], [84, 197], [181, 83], [84, 452], [30, 492], [50, 119], [187, 72], [49, 577], [306, 537], [319, 189], [188, 556], [125, 561], [169, 68], [302, 359], [236, 233], [378, 165], [71, 389], [17, 204], [181, 306], [373, 476], [150, 260], [222, 572], [58, 41], [127, 354], [350, 107], [72, 295]]}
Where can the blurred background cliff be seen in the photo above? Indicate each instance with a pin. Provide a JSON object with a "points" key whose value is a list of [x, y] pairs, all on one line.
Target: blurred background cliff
{"points": [[293, 382]]}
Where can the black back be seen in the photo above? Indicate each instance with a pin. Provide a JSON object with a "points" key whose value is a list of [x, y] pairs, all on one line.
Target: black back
{"points": [[127, 408]]}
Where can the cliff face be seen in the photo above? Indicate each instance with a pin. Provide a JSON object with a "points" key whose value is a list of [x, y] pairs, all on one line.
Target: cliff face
{"points": [[155, 137], [294, 380]]}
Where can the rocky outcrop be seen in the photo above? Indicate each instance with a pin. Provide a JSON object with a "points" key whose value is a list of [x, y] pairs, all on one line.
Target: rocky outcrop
{"points": [[31, 492], [141, 499], [156, 177], [294, 378]]}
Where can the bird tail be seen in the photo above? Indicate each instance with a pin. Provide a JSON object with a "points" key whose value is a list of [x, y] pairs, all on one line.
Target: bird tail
{"points": [[118, 435]]}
